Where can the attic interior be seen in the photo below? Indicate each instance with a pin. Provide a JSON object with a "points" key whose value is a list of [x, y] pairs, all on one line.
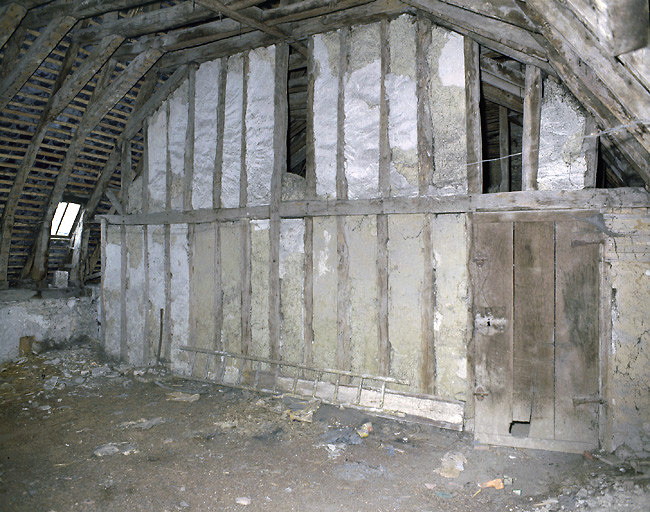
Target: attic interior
{"points": [[254, 251]]}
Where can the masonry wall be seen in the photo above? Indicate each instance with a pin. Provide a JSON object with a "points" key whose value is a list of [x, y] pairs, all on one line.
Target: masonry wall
{"points": [[627, 293], [52, 320]]}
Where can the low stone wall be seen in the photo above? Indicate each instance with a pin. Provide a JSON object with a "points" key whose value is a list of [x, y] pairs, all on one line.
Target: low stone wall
{"points": [[51, 317]]}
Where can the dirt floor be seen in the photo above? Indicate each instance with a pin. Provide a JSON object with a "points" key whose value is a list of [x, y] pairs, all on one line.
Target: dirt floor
{"points": [[78, 433]]}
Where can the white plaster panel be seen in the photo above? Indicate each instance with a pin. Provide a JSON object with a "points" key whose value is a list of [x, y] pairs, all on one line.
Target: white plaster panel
{"points": [[205, 132], [111, 290], [562, 152], [364, 321], [362, 87], [260, 118], [135, 300], [325, 292], [135, 196], [260, 242], [156, 249], [231, 168], [402, 107], [451, 313], [157, 159], [326, 56], [231, 284], [405, 285], [447, 106], [292, 271], [178, 105], [180, 296]]}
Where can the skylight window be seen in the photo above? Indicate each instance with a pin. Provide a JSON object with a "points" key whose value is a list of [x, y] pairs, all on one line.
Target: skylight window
{"points": [[64, 219]]}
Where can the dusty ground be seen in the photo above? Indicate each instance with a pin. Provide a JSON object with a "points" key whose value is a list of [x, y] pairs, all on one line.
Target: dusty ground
{"points": [[231, 446]]}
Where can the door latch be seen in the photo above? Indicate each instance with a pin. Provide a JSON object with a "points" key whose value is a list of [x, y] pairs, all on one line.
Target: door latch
{"points": [[480, 393]]}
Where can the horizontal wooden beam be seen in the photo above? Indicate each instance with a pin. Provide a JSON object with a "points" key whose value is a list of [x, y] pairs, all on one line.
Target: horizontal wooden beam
{"points": [[80, 9], [370, 11], [586, 199], [492, 28], [219, 7], [185, 13]]}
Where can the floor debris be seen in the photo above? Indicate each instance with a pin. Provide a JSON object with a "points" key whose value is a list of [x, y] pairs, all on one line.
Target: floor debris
{"points": [[497, 483], [142, 423], [233, 443], [180, 396], [452, 465]]}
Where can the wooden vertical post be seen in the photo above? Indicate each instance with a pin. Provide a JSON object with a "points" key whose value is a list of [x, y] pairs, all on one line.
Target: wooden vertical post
{"points": [[590, 144], [424, 121], [382, 219], [146, 352], [504, 149], [216, 202], [125, 180], [532, 117], [473, 117], [188, 178], [310, 178], [279, 168], [102, 243], [343, 286], [167, 323]]}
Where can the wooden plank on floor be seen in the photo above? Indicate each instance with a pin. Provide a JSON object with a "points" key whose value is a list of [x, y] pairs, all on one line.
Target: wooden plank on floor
{"points": [[533, 367], [492, 283], [576, 332]]}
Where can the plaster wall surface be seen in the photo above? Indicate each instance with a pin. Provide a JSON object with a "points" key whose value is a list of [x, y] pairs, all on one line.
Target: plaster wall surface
{"points": [[447, 105], [629, 380], [135, 196], [364, 332], [202, 286], [405, 282], [232, 132], [135, 276], [452, 309], [231, 283], [180, 296], [177, 127], [55, 321], [156, 299], [205, 132], [325, 291], [402, 107], [111, 291], [260, 118], [292, 276], [260, 247], [326, 54], [562, 146], [362, 85], [157, 159]]}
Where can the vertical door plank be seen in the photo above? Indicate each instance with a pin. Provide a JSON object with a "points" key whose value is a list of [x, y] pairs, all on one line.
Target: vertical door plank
{"points": [[533, 358], [492, 277], [577, 341]]}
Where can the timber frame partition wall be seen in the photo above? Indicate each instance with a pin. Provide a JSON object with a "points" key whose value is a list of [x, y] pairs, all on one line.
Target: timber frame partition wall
{"points": [[360, 266]]}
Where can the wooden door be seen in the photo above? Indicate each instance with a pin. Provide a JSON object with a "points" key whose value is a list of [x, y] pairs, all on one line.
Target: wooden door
{"points": [[535, 282]]}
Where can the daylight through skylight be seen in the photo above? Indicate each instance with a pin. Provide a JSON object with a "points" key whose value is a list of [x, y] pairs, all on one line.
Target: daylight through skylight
{"points": [[64, 217]]}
